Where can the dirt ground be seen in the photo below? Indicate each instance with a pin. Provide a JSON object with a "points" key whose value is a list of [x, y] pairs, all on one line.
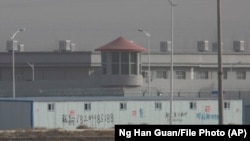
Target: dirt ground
{"points": [[56, 134]]}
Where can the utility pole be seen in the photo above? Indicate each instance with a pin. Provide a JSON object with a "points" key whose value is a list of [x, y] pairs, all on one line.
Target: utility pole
{"points": [[172, 64], [12, 38], [220, 69], [149, 72]]}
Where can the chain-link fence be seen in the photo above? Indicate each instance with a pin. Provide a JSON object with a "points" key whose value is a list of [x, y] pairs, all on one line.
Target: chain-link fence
{"points": [[230, 94], [64, 92]]}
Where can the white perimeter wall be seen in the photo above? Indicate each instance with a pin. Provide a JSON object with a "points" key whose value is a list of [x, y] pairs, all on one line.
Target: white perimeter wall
{"points": [[105, 114]]}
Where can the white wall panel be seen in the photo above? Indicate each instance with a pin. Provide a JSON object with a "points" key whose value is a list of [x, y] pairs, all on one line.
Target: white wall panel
{"points": [[105, 114]]}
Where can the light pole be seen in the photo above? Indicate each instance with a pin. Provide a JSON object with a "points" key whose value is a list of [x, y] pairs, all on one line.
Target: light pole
{"points": [[12, 38], [33, 70], [149, 76], [220, 70], [172, 64]]}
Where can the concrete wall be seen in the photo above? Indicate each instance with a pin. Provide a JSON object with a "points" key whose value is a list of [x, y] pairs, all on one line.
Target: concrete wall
{"points": [[121, 80], [45, 73], [204, 58], [15, 115], [105, 114], [82, 66], [47, 65], [55, 58], [247, 115]]}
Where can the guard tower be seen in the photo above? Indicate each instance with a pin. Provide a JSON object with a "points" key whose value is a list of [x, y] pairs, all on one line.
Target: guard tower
{"points": [[121, 63]]}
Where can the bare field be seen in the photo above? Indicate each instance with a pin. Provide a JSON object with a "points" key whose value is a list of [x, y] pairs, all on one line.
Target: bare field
{"points": [[57, 135]]}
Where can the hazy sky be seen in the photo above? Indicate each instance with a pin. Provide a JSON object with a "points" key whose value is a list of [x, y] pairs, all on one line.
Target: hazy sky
{"points": [[92, 23]]}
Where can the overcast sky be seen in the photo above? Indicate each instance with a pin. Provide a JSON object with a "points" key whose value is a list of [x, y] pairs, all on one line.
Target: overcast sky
{"points": [[92, 23]]}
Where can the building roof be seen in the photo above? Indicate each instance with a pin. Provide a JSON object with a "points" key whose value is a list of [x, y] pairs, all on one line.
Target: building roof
{"points": [[121, 44]]}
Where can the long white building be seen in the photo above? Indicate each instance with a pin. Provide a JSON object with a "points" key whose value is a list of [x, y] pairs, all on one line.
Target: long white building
{"points": [[105, 112]]}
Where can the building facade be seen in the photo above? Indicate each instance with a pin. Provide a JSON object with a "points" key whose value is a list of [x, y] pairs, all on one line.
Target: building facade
{"points": [[193, 72], [72, 73]]}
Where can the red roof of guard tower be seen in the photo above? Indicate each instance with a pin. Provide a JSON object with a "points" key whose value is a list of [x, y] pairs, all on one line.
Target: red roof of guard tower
{"points": [[121, 44]]}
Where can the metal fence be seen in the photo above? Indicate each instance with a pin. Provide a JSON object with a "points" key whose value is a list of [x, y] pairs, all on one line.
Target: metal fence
{"points": [[29, 92], [64, 92]]}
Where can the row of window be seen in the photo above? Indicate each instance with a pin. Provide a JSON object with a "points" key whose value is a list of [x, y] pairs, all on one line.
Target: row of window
{"points": [[122, 63], [51, 107], [161, 74], [123, 106], [193, 106]]}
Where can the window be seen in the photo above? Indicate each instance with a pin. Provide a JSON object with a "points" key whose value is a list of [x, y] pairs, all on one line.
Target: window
{"points": [[87, 106], [124, 57], [180, 75], [51, 107], [133, 58], [123, 106], [104, 57], [124, 63], [241, 75], [115, 63], [140, 66], [104, 69], [161, 74], [124, 68], [202, 75], [133, 63], [115, 68], [227, 105], [19, 75], [104, 62], [145, 74], [225, 74], [158, 105], [140, 69], [133, 68], [192, 105], [115, 57]]}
